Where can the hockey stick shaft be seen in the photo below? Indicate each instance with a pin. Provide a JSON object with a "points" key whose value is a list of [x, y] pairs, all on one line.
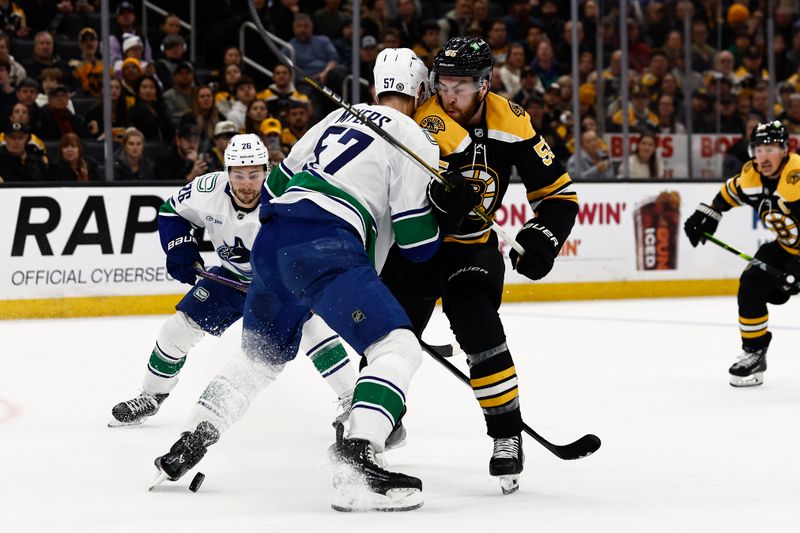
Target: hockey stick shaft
{"points": [[388, 137], [586, 445], [753, 261], [238, 285]]}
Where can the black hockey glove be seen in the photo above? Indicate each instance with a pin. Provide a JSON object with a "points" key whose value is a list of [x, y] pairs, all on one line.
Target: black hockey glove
{"points": [[704, 220], [459, 200], [540, 251], [182, 254]]}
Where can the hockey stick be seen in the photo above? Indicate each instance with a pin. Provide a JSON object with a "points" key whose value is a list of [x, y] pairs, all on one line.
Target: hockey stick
{"points": [[584, 446], [388, 137], [788, 278], [203, 273]]}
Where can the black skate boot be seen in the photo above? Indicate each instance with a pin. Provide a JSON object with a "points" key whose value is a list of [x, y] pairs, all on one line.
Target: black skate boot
{"points": [[362, 485], [506, 462], [748, 370], [135, 411], [186, 452]]}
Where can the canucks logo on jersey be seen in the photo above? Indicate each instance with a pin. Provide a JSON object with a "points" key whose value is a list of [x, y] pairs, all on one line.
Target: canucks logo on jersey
{"points": [[236, 254]]}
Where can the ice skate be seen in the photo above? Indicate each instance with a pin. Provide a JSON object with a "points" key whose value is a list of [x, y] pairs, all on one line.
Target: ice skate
{"points": [[134, 412], [396, 439], [360, 484], [506, 462], [186, 452], [749, 368]]}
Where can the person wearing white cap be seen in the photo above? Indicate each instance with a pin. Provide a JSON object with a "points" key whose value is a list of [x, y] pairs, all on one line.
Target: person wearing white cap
{"points": [[215, 157], [132, 46]]}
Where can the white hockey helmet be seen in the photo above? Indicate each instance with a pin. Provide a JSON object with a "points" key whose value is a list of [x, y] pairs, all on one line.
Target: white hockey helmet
{"points": [[245, 150], [399, 70]]}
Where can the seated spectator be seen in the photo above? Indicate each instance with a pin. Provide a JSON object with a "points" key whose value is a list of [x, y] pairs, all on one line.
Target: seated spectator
{"points": [[7, 90], [544, 65], [245, 92], [751, 71], [57, 119], [182, 161], [593, 163], [644, 161], [16, 71], [174, 54], [132, 47], [329, 19], [226, 92], [13, 21], [19, 113], [43, 57], [179, 98], [430, 43], [66, 23], [298, 122], [409, 23], [256, 114], [131, 74], [667, 122], [739, 154], [50, 78], [88, 70], [119, 114], [125, 22], [71, 164], [729, 119], [205, 114], [27, 91], [497, 38], [456, 21], [231, 56], [639, 115], [792, 120], [315, 55], [16, 162], [529, 85], [131, 163], [281, 92], [271, 130], [149, 115], [215, 156], [511, 71], [171, 26]]}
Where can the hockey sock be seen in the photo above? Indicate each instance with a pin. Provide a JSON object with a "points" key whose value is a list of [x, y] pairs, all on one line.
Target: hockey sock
{"points": [[754, 332], [177, 336], [325, 350], [380, 393], [494, 381], [228, 396]]}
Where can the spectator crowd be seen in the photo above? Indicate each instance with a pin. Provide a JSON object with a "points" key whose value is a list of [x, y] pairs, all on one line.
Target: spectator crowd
{"points": [[172, 117]]}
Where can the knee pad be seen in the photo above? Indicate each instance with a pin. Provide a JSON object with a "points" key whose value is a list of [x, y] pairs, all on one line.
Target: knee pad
{"points": [[178, 335], [399, 351]]}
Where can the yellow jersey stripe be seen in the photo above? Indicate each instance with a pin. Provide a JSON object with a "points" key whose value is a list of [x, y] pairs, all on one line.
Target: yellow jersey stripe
{"points": [[549, 189]]}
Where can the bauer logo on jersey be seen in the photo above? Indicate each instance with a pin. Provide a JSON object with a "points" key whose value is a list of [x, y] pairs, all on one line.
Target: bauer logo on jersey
{"points": [[237, 253], [433, 124]]}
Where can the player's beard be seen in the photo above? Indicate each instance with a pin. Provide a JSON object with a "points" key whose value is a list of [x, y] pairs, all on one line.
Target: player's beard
{"points": [[247, 197], [463, 117]]}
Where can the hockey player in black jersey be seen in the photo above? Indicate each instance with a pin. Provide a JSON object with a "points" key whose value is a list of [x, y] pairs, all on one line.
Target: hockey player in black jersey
{"points": [[770, 184], [481, 136]]}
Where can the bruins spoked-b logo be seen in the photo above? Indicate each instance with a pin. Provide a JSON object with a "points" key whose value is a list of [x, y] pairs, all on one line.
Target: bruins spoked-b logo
{"points": [[484, 180], [785, 227], [432, 123]]}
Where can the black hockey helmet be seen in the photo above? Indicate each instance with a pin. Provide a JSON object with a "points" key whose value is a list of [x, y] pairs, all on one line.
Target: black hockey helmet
{"points": [[772, 132], [464, 56]]}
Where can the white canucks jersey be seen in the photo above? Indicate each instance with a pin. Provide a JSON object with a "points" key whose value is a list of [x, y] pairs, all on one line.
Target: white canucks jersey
{"points": [[348, 170], [207, 202]]}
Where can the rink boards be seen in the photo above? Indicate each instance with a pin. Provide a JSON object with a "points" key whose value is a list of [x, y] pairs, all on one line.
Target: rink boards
{"points": [[94, 251]]}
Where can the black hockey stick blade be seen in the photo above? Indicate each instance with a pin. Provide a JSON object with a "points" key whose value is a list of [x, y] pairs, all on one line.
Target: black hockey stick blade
{"points": [[583, 447]]}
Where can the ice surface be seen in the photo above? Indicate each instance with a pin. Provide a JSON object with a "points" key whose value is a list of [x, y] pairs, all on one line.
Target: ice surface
{"points": [[682, 450]]}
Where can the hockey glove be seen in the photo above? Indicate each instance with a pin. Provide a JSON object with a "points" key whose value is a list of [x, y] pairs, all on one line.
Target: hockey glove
{"points": [[704, 220], [459, 200], [182, 254], [541, 248]]}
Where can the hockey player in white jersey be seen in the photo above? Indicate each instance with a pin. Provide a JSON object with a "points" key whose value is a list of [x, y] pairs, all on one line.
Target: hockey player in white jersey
{"points": [[226, 205], [342, 197]]}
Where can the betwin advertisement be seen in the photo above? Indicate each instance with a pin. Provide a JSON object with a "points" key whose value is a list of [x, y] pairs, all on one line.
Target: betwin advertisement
{"points": [[103, 241]]}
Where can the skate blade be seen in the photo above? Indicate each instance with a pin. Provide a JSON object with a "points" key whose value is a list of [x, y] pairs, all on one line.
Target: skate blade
{"points": [[509, 484], [114, 423], [747, 381], [160, 478], [360, 500]]}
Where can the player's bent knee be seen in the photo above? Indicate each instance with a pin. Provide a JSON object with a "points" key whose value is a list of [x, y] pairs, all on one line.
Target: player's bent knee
{"points": [[400, 346]]}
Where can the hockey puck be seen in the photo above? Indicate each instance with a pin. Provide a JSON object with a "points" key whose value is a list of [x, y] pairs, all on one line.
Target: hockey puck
{"points": [[197, 481]]}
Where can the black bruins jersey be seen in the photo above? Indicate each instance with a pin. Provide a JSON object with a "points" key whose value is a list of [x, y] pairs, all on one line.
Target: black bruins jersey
{"points": [[777, 201], [484, 155]]}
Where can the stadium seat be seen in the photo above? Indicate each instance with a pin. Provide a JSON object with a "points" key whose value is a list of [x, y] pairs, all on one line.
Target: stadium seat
{"points": [[21, 49], [83, 104], [154, 150], [68, 49]]}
